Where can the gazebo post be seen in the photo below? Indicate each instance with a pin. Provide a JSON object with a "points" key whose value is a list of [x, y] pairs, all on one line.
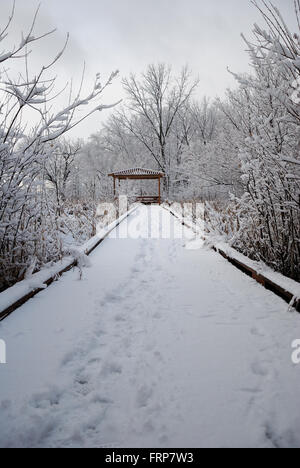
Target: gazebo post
{"points": [[139, 174], [114, 186], [159, 198]]}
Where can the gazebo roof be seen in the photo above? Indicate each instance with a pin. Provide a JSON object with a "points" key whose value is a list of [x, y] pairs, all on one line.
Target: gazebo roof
{"points": [[137, 172]]}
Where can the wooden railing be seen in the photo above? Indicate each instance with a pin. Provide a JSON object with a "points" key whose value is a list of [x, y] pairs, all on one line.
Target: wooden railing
{"points": [[88, 248]]}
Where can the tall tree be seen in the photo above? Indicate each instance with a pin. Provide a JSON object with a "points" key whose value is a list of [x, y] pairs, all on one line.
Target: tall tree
{"points": [[154, 103]]}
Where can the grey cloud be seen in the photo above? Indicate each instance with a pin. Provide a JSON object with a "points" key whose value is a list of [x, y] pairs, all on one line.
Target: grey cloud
{"points": [[129, 34]]}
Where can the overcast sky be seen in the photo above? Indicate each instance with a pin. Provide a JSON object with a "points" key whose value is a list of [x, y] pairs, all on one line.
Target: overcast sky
{"points": [[129, 34]]}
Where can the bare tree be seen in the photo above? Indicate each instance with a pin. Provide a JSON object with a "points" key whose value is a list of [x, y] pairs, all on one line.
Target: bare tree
{"points": [[204, 120], [264, 116], [58, 169], [25, 212], [155, 102]]}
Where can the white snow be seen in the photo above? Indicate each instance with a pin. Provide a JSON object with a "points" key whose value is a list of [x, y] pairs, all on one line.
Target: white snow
{"points": [[286, 283], [218, 242], [37, 280], [157, 346]]}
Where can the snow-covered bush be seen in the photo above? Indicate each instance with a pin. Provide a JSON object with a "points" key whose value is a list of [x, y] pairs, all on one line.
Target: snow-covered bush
{"points": [[262, 217], [29, 220], [269, 148]]}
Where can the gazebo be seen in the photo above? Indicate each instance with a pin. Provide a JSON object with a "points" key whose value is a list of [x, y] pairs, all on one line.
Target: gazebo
{"points": [[138, 173]]}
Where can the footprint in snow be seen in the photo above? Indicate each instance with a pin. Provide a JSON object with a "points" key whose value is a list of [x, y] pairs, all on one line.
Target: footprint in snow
{"points": [[255, 332], [157, 315], [163, 440], [46, 399], [99, 332], [136, 270], [101, 400], [120, 318], [149, 426], [144, 394], [158, 356], [260, 369], [94, 360], [110, 298], [5, 405], [110, 368], [83, 388]]}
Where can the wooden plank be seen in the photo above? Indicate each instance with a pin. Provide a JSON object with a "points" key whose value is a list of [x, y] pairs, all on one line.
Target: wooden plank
{"points": [[137, 177]]}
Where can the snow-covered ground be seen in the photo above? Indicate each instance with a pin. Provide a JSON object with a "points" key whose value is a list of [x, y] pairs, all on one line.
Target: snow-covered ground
{"points": [[158, 345]]}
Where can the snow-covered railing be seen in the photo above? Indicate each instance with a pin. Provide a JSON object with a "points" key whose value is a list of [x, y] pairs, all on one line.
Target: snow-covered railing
{"points": [[14, 297], [286, 288], [185, 222]]}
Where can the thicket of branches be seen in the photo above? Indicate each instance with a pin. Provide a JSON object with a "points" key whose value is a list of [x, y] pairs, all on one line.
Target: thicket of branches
{"points": [[240, 155], [34, 159], [266, 114]]}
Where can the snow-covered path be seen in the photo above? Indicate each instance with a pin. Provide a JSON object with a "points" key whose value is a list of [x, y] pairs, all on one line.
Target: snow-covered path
{"points": [[158, 345]]}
